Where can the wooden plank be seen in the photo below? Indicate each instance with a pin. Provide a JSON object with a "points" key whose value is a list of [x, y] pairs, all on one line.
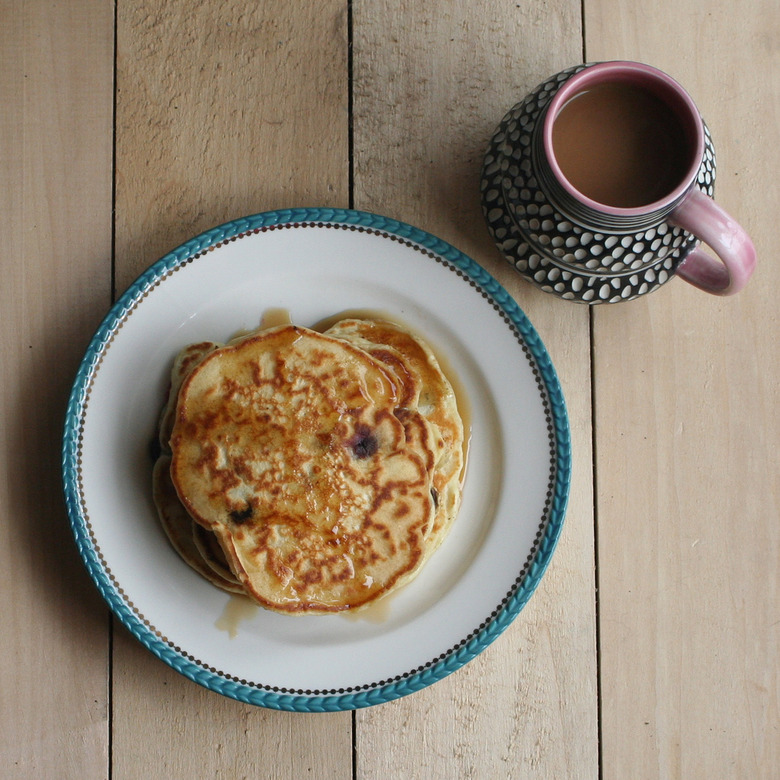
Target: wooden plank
{"points": [[687, 392], [431, 82], [56, 66], [223, 110]]}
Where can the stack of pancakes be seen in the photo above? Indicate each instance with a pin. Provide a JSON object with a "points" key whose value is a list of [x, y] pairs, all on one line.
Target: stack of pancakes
{"points": [[313, 471]]}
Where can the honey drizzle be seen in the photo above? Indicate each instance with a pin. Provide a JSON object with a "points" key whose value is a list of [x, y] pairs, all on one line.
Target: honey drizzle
{"points": [[240, 608], [236, 611], [273, 318], [376, 612]]}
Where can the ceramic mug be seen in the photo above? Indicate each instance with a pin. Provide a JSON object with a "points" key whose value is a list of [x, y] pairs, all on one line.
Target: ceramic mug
{"points": [[598, 235]]}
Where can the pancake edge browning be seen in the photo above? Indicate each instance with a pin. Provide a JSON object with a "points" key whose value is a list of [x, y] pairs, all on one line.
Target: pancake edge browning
{"points": [[392, 343], [178, 527], [435, 435], [252, 417]]}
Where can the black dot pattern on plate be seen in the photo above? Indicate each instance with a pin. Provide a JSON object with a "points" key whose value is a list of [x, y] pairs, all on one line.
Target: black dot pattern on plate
{"points": [[550, 248]]}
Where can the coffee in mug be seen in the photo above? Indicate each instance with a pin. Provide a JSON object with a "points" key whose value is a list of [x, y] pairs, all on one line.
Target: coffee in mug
{"points": [[621, 145], [598, 188]]}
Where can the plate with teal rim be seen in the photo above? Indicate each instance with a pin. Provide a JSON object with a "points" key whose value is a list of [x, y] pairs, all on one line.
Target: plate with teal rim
{"points": [[315, 263]]}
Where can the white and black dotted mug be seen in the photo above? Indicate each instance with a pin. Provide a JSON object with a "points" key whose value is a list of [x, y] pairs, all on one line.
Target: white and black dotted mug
{"points": [[571, 244]]}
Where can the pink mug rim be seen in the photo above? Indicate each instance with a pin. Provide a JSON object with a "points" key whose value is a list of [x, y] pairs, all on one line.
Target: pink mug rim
{"points": [[628, 71]]}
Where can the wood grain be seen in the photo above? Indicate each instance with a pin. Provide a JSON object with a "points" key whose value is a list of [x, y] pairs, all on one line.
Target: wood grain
{"points": [[431, 82], [687, 440], [223, 110], [55, 168], [228, 108]]}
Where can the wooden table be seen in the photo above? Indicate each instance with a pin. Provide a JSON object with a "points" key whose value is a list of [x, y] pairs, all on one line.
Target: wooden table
{"points": [[650, 648]]}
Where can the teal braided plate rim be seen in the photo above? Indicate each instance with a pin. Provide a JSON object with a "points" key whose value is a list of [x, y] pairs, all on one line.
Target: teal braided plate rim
{"points": [[437, 668]]}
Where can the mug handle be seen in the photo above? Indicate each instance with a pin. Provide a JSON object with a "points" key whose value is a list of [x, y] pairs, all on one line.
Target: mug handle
{"points": [[700, 215]]}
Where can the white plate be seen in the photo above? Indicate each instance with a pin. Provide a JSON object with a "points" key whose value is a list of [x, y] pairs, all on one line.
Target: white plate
{"points": [[316, 263]]}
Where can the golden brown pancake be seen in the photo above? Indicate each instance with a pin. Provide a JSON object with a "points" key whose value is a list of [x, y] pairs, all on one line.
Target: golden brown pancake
{"points": [[185, 361], [426, 389], [178, 526], [197, 547], [287, 446], [211, 552], [318, 472]]}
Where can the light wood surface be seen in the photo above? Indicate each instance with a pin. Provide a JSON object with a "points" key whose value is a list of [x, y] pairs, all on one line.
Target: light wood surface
{"points": [[55, 202], [687, 470], [650, 649]]}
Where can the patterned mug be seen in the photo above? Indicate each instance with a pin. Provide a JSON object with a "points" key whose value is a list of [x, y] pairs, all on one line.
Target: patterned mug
{"points": [[570, 243]]}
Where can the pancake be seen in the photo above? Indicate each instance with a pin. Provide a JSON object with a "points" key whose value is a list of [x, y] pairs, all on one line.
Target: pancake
{"points": [[314, 472], [185, 361], [196, 546], [178, 526], [211, 553], [286, 445], [426, 389]]}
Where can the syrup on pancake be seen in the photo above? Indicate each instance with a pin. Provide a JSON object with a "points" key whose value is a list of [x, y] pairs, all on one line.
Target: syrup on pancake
{"points": [[324, 467]]}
